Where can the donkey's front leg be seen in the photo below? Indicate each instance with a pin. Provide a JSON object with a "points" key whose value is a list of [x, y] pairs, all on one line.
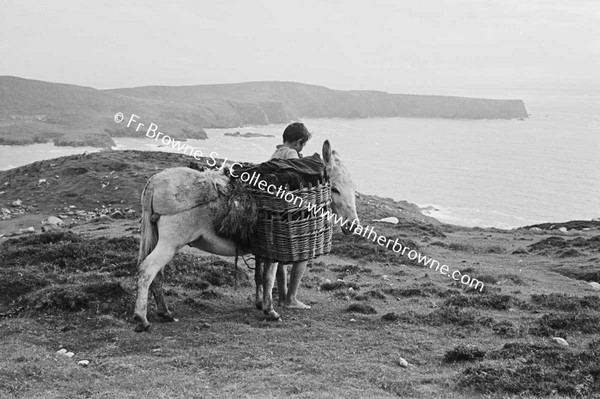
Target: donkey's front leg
{"points": [[282, 283], [258, 281], [270, 269]]}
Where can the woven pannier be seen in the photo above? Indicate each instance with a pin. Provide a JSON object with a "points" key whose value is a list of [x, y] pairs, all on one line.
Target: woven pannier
{"points": [[288, 233]]}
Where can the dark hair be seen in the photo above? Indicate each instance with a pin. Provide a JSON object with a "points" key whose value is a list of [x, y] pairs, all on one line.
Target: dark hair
{"points": [[294, 132]]}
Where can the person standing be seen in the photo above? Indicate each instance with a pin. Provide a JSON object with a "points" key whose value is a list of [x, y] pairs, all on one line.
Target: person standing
{"points": [[295, 137]]}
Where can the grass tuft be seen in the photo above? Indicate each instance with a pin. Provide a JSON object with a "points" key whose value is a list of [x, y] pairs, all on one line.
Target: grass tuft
{"points": [[492, 301], [535, 370], [360, 308], [105, 297], [464, 353], [423, 290], [338, 285], [558, 324], [565, 302]]}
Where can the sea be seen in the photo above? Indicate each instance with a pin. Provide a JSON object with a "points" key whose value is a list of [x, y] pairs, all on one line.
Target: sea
{"points": [[487, 173]]}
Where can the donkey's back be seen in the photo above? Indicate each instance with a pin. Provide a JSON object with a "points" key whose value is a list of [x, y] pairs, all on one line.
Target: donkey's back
{"points": [[175, 190]]}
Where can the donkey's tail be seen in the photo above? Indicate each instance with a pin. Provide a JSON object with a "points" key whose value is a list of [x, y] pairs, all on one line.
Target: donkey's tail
{"points": [[149, 230]]}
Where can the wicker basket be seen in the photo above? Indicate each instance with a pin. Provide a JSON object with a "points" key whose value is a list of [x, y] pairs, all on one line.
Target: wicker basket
{"points": [[285, 233]]}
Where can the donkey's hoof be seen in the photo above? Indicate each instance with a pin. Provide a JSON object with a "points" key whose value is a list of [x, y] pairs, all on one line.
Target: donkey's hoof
{"points": [[166, 317], [272, 316], [258, 305], [142, 325]]}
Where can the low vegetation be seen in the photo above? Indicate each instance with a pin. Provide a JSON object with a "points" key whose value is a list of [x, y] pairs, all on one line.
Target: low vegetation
{"points": [[74, 289]]}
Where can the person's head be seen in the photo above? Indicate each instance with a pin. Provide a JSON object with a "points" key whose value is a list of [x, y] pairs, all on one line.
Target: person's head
{"points": [[296, 135]]}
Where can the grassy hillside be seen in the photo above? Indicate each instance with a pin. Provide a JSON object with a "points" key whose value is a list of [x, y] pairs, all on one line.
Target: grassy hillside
{"points": [[33, 111], [74, 289], [107, 179]]}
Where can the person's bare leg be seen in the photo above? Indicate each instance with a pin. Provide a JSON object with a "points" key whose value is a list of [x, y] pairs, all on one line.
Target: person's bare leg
{"points": [[296, 274], [282, 283]]}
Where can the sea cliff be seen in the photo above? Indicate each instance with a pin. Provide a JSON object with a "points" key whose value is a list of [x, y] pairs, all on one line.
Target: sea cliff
{"points": [[34, 111]]}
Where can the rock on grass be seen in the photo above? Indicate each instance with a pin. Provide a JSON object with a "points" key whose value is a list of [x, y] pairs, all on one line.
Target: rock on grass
{"points": [[560, 341], [402, 362]]}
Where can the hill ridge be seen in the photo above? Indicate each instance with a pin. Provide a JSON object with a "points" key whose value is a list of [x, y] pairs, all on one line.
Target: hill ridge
{"points": [[38, 111]]}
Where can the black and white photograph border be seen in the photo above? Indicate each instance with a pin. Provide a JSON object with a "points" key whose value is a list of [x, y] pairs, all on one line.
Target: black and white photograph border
{"points": [[323, 199]]}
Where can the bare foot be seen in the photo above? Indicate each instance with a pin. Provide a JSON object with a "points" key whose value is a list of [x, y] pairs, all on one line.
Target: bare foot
{"points": [[296, 304]]}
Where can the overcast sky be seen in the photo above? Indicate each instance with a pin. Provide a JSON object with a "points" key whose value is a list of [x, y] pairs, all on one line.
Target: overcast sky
{"points": [[396, 46]]}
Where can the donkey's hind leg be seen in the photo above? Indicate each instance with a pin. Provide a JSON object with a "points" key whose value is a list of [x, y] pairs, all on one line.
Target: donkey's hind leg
{"points": [[162, 310], [174, 231], [158, 258]]}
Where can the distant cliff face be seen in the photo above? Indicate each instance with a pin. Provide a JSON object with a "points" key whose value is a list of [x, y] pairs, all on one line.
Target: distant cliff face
{"points": [[277, 102], [34, 111]]}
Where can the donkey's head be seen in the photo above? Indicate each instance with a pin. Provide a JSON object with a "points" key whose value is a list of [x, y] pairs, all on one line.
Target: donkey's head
{"points": [[342, 189]]}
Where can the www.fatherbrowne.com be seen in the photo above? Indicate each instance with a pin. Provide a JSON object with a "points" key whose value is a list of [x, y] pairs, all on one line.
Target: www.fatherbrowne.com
{"points": [[366, 232]]}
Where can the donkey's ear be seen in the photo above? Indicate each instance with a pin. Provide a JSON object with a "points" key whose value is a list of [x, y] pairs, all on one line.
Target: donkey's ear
{"points": [[327, 152]]}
